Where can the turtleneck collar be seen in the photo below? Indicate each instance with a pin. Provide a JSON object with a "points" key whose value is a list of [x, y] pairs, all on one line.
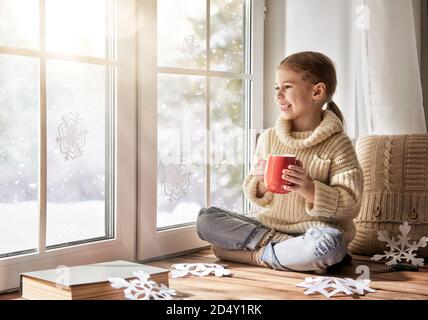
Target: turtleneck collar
{"points": [[330, 124]]}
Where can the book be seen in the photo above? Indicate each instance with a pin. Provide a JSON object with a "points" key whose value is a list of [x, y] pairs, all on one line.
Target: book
{"points": [[85, 282]]}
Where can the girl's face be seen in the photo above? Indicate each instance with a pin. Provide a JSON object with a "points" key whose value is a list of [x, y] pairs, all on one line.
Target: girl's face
{"points": [[294, 95]]}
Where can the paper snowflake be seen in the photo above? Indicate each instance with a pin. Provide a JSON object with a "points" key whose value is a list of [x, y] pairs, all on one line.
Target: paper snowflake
{"points": [[71, 137], [175, 179], [198, 269], [142, 288], [401, 249], [191, 47], [329, 286]]}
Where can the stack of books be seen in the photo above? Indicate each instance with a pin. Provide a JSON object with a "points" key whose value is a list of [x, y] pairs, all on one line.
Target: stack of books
{"points": [[86, 282]]}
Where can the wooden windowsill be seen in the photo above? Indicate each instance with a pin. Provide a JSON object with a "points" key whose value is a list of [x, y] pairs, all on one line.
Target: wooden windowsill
{"points": [[249, 282]]}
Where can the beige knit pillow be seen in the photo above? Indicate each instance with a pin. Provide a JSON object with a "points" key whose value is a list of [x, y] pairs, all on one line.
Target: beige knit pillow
{"points": [[395, 190]]}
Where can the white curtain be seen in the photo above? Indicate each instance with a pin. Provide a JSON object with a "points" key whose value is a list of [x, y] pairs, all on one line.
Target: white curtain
{"points": [[373, 43], [390, 68]]}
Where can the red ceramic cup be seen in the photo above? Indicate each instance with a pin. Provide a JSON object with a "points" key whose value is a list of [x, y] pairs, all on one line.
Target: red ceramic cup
{"points": [[273, 172]]}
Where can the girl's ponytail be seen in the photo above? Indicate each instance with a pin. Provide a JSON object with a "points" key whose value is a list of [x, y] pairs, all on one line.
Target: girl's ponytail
{"points": [[331, 105]]}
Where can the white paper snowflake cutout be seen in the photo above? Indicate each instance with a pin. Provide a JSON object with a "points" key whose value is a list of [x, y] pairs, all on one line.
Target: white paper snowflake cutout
{"points": [[142, 288], [191, 47], [175, 179], [71, 137], [198, 269], [401, 249], [330, 286]]}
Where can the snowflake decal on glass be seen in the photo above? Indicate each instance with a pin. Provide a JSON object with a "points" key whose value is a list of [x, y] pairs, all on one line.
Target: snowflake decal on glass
{"points": [[401, 249], [175, 180], [71, 137], [198, 269], [191, 47], [330, 286], [142, 288]]}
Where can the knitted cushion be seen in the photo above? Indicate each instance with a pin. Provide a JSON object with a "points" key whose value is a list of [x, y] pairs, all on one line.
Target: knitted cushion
{"points": [[395, 172]]}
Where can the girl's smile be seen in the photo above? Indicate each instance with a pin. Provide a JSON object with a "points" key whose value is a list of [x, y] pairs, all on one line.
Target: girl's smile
{"points": [[285, 107]]}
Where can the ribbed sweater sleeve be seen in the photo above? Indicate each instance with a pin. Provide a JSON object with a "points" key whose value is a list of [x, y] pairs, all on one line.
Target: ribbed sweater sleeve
{"points": [[249, 185], [341, 197]]}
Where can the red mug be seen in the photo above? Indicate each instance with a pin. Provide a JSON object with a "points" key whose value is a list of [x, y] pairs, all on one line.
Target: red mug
{"points": [[273, 172]]}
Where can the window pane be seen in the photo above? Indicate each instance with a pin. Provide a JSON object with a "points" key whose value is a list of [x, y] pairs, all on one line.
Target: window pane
{"points": [[181, 149], [227, 143], [77, 26], [19, 118], [76, 133], [227, 35], [182, 33], [19, 25]]}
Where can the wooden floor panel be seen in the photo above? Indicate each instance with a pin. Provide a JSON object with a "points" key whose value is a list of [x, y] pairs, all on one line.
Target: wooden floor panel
{"points": [[257, 283]]}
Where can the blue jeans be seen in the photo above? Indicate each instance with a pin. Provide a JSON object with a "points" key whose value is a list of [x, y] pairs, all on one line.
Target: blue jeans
{"points": [[316, 249]]}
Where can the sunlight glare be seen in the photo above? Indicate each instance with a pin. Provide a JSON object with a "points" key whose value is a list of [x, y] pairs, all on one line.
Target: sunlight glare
{"points": [[77, 26]]}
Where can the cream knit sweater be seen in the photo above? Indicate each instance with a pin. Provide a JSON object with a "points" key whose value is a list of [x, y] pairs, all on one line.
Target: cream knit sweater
{"points": [[329, 158]]}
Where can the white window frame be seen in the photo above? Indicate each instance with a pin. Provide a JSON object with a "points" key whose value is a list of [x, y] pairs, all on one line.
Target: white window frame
{"points": [[123, 245], [151, 242]]}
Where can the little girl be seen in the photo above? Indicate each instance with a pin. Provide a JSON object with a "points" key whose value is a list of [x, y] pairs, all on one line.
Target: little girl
{"points": [[309, 228]]}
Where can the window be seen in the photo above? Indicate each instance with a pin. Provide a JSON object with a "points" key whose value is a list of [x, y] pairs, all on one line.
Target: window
{"points": [[19, 153], [196, 107], [199, 84], [70, 102], [66, 92]]}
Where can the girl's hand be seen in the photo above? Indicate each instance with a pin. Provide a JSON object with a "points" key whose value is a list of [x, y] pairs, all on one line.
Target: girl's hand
{"points": [[261, 188], [303, 184], [258, 170]]}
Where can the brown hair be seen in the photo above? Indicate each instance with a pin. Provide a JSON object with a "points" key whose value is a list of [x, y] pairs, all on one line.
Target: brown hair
{"points": [[316, 67]]}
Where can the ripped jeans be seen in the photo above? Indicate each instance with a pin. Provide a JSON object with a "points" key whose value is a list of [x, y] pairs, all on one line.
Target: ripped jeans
{"points": [[316, 249]]}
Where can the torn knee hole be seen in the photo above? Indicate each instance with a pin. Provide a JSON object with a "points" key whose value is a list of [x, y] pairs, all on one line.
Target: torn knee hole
{"points": [[328, 243]]}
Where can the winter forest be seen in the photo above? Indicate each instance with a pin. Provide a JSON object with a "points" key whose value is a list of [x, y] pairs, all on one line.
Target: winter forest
{"points": [[77, 118]]}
